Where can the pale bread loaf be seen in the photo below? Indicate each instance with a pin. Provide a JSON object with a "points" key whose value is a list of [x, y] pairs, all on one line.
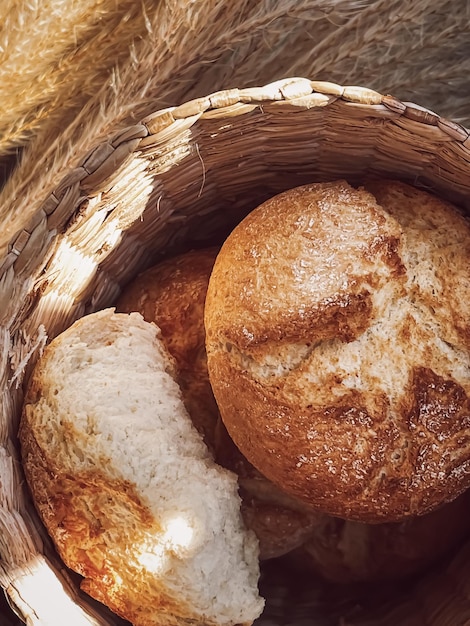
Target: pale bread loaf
{"points": [[172, 295], [126, 486], [338, 347]]}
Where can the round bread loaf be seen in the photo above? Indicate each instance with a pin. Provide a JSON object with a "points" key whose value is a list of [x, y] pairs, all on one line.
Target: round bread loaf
{"points": [[172, 294], [338, 340], [126, 486]]}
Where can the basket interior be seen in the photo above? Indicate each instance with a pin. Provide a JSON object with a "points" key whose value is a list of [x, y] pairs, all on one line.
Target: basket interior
{"points": [[182, 179]]}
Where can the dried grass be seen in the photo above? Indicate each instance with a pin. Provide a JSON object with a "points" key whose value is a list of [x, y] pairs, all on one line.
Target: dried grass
{"points": [[139, 57], [45, 48]]}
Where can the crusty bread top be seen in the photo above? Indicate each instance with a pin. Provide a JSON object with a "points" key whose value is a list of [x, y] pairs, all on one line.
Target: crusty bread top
{"points": [[126, 486], [298, 263], [337, 338]]}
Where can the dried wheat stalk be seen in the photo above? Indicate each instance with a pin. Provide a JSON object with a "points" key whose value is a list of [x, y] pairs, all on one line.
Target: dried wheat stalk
{"points": [[46, 47], [174, 50]]}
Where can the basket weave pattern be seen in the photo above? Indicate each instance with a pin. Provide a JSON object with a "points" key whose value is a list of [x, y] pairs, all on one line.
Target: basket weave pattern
{"points": [[180, 178]]}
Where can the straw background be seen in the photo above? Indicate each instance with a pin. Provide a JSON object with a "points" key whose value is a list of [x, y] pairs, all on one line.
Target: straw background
{"points": [[72, 71]]}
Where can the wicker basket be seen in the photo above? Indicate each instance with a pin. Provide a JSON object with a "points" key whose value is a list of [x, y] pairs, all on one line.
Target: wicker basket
{"points": [[182, 178]]}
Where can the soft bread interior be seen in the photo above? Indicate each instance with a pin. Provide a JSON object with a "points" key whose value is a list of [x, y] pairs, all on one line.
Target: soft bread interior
{"points": [[167, 542]]}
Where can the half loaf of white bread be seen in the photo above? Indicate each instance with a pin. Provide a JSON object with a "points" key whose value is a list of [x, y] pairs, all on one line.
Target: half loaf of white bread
{"points": [[125, 484]]}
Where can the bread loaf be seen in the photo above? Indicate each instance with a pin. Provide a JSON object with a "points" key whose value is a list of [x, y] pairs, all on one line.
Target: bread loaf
{"points": [[338, 340], [172, 295], [126, 486]]}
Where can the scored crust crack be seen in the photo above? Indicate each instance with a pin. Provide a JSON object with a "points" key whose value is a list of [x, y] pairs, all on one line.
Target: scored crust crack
{"points": [[337, 324]]}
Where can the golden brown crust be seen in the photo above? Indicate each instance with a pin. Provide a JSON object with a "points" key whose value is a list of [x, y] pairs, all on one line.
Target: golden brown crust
{"points": [[284, 444], [446, 288], [268, 282], [335, 372]]}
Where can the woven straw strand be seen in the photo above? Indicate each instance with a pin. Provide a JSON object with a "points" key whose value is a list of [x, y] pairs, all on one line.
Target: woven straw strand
{"points": [[88, 178]]}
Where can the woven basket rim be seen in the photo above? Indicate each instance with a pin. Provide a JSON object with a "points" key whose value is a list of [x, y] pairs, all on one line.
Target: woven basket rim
{"points": [[106, 157]]}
